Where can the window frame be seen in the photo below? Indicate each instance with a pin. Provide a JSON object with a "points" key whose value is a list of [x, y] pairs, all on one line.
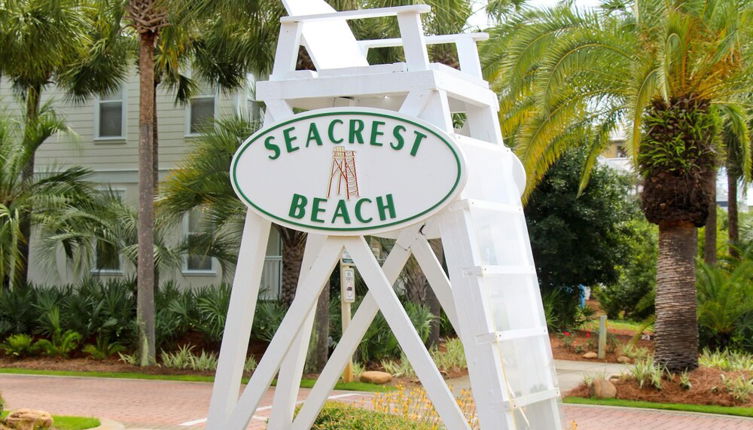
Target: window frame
{"points": [[123, 121], [184, 264], [215, 96]]}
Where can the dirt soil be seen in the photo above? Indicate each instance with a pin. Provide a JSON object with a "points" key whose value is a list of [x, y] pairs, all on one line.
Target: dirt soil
{"points": [[707, 389], [582, 344]]}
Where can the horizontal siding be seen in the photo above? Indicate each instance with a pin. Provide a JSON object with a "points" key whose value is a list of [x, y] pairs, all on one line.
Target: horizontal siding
{"points": [[102, 155]]}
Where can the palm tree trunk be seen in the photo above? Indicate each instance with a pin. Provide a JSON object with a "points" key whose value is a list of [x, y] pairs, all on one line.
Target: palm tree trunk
{"points": [[732, 214], [321, 326], [709, 236], [33, 102], [145, 300], [676, 323], [293, 245]]}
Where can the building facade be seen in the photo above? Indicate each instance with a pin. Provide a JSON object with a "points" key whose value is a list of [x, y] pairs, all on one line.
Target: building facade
{"points": [[105, 140]]}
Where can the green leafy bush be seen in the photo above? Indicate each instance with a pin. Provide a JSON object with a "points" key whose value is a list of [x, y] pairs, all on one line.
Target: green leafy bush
{"points": [[184, 358], [336, 416], [60, 345], [212, 303], [103, 349], [632, 296], [18, 345], [725, 304]]}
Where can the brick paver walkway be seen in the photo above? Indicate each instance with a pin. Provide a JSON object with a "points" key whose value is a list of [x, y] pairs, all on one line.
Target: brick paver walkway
{"points": [[168, 404]]}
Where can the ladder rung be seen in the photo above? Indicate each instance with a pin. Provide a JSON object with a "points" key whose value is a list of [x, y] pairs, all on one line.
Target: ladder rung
{"points": [[530, 399], [507, 335], [468, 204], [499, 270]]}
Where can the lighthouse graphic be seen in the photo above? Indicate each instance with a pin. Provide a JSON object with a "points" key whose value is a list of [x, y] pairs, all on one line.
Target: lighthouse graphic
{"points": [[343, 174]]}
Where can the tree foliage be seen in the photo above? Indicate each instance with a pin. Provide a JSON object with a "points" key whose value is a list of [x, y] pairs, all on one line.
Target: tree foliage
{"points": [[579, 239]]}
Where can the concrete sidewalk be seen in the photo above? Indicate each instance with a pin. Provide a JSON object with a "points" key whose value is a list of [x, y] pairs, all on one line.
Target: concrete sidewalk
{"points": [[570, 374]]}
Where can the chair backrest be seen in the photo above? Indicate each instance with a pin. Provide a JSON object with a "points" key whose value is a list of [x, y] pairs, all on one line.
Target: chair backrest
{"points": [[331, 44]]}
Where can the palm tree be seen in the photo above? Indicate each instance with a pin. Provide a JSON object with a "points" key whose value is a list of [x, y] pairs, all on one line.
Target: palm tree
{"points": [[665, 68], [45, 198], [69, 43]]}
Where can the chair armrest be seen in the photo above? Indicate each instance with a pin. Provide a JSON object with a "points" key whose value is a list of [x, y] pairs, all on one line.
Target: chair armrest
{"points": [[359, 14], [430, 40]]}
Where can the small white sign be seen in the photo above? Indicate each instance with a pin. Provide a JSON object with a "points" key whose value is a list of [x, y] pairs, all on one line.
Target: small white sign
{"points": [[348, 171], [349, 285]]}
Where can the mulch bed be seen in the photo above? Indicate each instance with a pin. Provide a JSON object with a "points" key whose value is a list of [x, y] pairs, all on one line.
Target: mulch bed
{"points": [[707, 389]]}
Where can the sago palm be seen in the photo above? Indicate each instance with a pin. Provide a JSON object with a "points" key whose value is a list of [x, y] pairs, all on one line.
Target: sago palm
{"points": [[667, 70]]}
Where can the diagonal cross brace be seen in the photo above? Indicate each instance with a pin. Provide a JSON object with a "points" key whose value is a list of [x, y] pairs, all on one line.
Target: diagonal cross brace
{"points": [[409, 240]]}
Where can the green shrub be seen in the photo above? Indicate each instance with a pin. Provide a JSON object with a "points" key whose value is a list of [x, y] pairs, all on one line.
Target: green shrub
{"points": [[212, 303], [400, 368], [632, 296], [740, 387], [452, 358], [267, 319], [103, 349], [724, 300], [18, 345], [336, 416], [184, 358], [17, 313], [647, 372], [60, 345]]}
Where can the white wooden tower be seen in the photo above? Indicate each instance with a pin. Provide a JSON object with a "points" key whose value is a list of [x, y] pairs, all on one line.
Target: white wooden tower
{"points": [[491, 296]]}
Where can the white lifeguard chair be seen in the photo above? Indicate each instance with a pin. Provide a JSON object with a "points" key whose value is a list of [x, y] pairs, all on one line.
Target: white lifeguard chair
{"points": [[492, 278]]}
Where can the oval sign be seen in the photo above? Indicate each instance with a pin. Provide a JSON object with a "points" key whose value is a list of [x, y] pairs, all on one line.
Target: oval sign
{"points": [[348, 171]]}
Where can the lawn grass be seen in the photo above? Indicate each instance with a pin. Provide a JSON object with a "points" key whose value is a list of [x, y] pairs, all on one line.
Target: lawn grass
{"points": [[305, 383], [74, 423], [617, 325], [707, 409], [62, 422]]}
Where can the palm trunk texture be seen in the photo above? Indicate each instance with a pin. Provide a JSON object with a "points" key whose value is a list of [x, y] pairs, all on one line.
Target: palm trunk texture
{"points": [[676, 324], [33, 102], [293, 246], [145, 300]]}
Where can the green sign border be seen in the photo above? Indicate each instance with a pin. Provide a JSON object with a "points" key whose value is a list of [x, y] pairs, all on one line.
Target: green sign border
{"points": [[305, 116]]}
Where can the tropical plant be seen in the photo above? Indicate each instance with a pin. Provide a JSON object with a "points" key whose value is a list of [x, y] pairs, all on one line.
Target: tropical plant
{"points": [[667, 70], [103, 349], [50, 199], [723, 302], [632, 296], [61, 344], [18, 345], [71, 44]]}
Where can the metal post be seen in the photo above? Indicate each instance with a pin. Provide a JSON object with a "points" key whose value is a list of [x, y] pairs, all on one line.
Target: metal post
{"points": [[347, 297]]}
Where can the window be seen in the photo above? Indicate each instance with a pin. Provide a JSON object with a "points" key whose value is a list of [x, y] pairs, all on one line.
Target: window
{"points": [[271, 275], [106, 255], [201, 109], [192, 226], [110, 115]]}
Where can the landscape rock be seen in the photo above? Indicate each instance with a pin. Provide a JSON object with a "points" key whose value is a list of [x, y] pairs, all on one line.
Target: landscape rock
{"points": [[590, 355], [603, 389], [624, 360], [375, 377], [28, 419]]}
